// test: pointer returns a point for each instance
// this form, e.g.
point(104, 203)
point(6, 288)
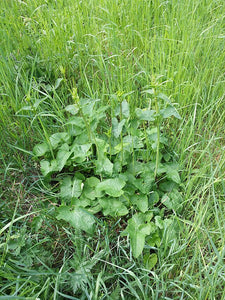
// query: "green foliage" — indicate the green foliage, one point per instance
point(119, 166)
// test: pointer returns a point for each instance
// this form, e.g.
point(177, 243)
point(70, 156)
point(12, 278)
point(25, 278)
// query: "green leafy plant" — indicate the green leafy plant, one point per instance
point(111, 162)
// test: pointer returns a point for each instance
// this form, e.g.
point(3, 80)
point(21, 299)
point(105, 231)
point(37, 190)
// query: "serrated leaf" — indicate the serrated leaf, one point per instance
point(48, 167)
point(145, 114)
point(41, 149)
point(141, 201)
point(113, 207)
point(77, 217)
point(70, 188)
point(117, 127)
point(112, 187)
point(170, 111)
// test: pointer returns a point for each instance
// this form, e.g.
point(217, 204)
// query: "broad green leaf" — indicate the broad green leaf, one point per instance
point(137, 239)
point(141, 201)
point(82, 138)
point(132, 142)
point(58, 138)
point(102, 146)
point(48, 167)
point(117, 127)
point(73, 109)
point(113, 207)
point(83, 201)
point(139, 226)
point(153, 239)
point(76, 125)
point(125, 109)
point(41, 149)
point(57, 82)
point(150, 260)
point(153, 199)
point(94, 209)
point(89, 188)
point(172, 174)
point(167, 186)
point(92, 181)
point(149, 91)
point(145, 114)
point(62, 156)
point(77, 217)
point(159, 222)
point(71, 188)
point(170, 111)
point(87, 106)
point(164, 97)
point(136, 167)
point(80, 152)
point(112, 187)
point(104, 166)
point(173, 200)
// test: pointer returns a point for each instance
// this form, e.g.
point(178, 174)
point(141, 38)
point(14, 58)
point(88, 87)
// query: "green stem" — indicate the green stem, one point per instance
point(121, 135)
point(158, 138)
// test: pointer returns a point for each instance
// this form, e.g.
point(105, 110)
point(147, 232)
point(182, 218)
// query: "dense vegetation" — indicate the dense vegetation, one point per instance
point(112, 149)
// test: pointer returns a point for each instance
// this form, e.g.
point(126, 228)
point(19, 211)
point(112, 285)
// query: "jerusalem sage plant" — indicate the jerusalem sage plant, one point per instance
point(113, 163)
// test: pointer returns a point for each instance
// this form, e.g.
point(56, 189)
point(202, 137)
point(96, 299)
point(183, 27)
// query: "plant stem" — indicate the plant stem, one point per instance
point(158, 138)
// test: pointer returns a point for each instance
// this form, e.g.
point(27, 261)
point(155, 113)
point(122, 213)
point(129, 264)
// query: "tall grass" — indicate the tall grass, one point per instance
point(102, 47)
